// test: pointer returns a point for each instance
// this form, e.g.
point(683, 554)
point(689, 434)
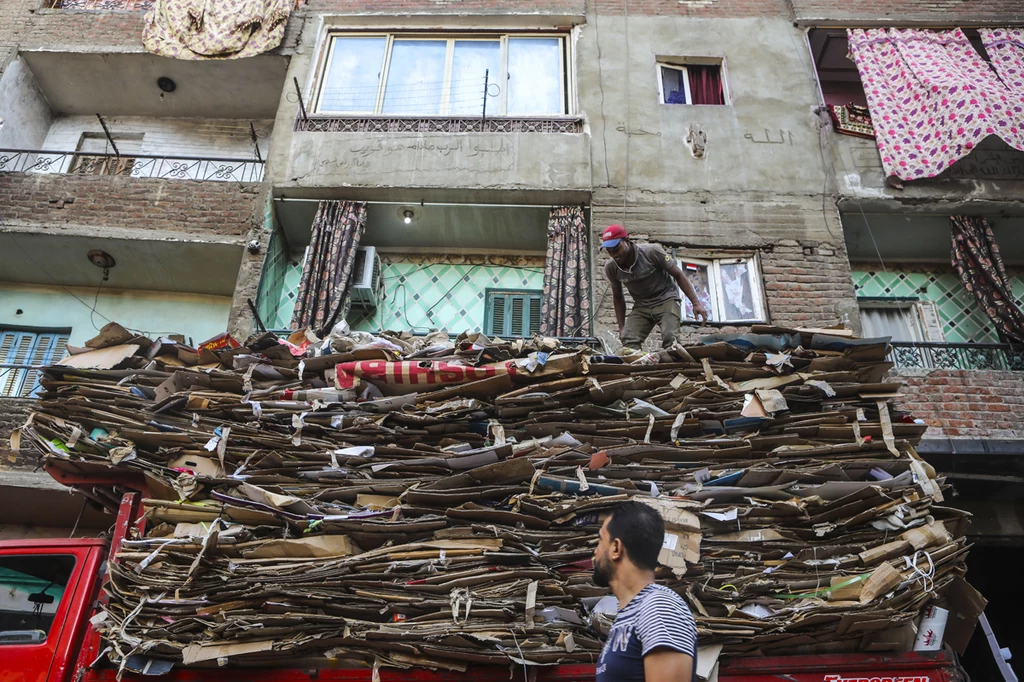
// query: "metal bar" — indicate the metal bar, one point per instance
point(110, 138)
point(53, 152)
point(487, 72)
point(302, 105)
point(422, 203)
point(255, 142)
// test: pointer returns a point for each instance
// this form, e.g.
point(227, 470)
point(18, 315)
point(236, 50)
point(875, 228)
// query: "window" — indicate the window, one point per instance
point(903, 319)
point(31, 588)
point(512, 312)
point(88, 160)
point(691, 83)
point(429, 75)
point(27, 348)
point(729, 288)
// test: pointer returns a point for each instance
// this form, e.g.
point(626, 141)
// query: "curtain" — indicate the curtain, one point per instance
point(327, 274)
point(1005, 47)
point(705, 84)
point(214, 29)
point(975, 256)
point(566, 299)
point(932, 98)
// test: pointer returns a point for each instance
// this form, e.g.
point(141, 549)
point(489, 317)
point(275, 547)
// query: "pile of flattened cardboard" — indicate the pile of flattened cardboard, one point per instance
point(409, 501)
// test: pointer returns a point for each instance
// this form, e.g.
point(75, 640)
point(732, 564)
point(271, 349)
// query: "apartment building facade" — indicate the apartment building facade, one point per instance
point(463, 133)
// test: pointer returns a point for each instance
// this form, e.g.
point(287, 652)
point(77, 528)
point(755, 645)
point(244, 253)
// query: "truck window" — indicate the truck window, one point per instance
point(31, 587)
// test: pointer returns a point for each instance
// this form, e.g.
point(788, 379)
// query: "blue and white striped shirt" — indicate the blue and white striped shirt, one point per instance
point(655, 618)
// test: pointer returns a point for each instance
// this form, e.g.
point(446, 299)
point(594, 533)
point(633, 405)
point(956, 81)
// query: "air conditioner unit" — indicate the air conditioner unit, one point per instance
point(366, 282)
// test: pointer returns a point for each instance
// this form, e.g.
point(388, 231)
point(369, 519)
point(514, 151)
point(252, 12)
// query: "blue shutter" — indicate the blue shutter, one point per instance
point(27, 348)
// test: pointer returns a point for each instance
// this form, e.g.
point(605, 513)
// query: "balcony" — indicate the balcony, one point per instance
point(956, 356)
point(135, 165)
point(100, 5)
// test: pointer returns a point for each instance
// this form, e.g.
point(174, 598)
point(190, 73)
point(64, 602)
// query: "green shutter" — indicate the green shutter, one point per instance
point(512, 313)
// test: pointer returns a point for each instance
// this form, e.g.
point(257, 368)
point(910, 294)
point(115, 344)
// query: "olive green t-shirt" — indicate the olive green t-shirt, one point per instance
point(648, 280)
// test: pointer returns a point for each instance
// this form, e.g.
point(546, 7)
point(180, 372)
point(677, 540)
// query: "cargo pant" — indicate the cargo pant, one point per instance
point(641, 320)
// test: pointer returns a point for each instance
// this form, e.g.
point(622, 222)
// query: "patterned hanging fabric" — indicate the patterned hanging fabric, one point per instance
point(330, 260)
point(566, 303)
point(932, 98)
point(976, 258)
point(1005, 47)
point(215, 29)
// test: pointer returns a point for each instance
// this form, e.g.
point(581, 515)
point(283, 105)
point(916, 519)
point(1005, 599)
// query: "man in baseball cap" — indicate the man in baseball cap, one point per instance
point(654, 281)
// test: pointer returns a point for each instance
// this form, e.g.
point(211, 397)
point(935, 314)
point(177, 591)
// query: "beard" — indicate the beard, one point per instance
point(602, 573)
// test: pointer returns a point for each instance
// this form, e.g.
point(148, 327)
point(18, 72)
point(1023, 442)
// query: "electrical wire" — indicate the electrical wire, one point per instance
point(625, 188)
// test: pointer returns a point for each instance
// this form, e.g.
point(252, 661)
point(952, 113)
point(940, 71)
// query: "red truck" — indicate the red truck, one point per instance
point(49, 589)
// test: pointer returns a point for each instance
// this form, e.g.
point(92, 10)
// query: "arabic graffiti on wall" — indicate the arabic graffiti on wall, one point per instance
point(420, 154)
point(769, 137)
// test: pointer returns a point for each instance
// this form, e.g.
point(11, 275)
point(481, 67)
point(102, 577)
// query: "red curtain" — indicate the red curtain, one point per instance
point(705, 84)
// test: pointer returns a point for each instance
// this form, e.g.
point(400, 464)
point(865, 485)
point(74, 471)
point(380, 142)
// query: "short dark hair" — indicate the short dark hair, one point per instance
point(641, 530)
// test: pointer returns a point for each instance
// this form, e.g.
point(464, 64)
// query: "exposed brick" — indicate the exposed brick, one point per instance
point(945, 400)
point(943, 12)
point(192, 206)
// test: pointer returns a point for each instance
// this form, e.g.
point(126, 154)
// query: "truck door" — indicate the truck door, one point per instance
point(37, 588)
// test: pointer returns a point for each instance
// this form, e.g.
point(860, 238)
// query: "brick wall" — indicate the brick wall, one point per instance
point(965, 403)
point(943, 12)
point(807, 284)
point(13, 412)
point(194, 207)
point(74, 30)
point(400, 7)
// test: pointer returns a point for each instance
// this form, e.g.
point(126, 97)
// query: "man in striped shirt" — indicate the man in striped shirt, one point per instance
point(654, 637)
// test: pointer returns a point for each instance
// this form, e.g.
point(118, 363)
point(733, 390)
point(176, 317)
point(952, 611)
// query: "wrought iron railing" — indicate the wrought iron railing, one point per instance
point(101, 5)
point(1000, 356)
point(437, 124)
point(134, 165)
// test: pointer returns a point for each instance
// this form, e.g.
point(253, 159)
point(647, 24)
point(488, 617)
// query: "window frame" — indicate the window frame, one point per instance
point(717, 291)
point(681, 64)
point(491, 293)
point(22, 374)
point(566, 92)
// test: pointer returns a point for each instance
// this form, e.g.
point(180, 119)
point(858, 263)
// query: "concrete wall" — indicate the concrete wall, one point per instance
point(23, 108)
point(223, 138)
point(154, 312)
point(759, 188)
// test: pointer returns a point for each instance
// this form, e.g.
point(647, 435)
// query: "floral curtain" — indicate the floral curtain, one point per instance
point(1005, 47)
point(327, 274)
point(566, 302)
point(215, 29)
point(976, 258)
point(932, 98)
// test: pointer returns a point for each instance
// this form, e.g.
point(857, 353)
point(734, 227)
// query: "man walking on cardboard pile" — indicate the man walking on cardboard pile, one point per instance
point(652, 278)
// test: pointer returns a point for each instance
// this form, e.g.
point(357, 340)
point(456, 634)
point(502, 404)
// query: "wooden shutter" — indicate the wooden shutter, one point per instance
point(534, 325)
point(518, 313)
point(512, 313)
point(930, 321)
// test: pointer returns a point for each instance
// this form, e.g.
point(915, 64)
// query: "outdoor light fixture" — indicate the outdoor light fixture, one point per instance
point(407, 216)
point(166, 84)
point(102, 259)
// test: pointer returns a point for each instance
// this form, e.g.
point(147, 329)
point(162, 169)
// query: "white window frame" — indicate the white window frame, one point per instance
point(680, 64)
point(500, 79)
point(717, 291)
point(685, 80)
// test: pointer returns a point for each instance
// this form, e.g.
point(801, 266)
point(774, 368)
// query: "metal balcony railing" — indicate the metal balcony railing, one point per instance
point(135, 165)
point(999, 356)
point(100, 5)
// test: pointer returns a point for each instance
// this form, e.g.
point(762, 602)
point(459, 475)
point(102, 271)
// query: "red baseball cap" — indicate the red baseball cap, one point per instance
point(612, 235)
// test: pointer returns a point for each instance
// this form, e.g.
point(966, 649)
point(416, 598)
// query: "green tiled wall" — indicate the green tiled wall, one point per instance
point(279, 285)
point(422, 295)
point(962, 320)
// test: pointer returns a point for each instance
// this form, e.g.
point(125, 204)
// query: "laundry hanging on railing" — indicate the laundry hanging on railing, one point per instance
point(932, 98)
point(327, 274)
point(976, 258)
point(1005, 47)
point(566, 304)
point(215, 29)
